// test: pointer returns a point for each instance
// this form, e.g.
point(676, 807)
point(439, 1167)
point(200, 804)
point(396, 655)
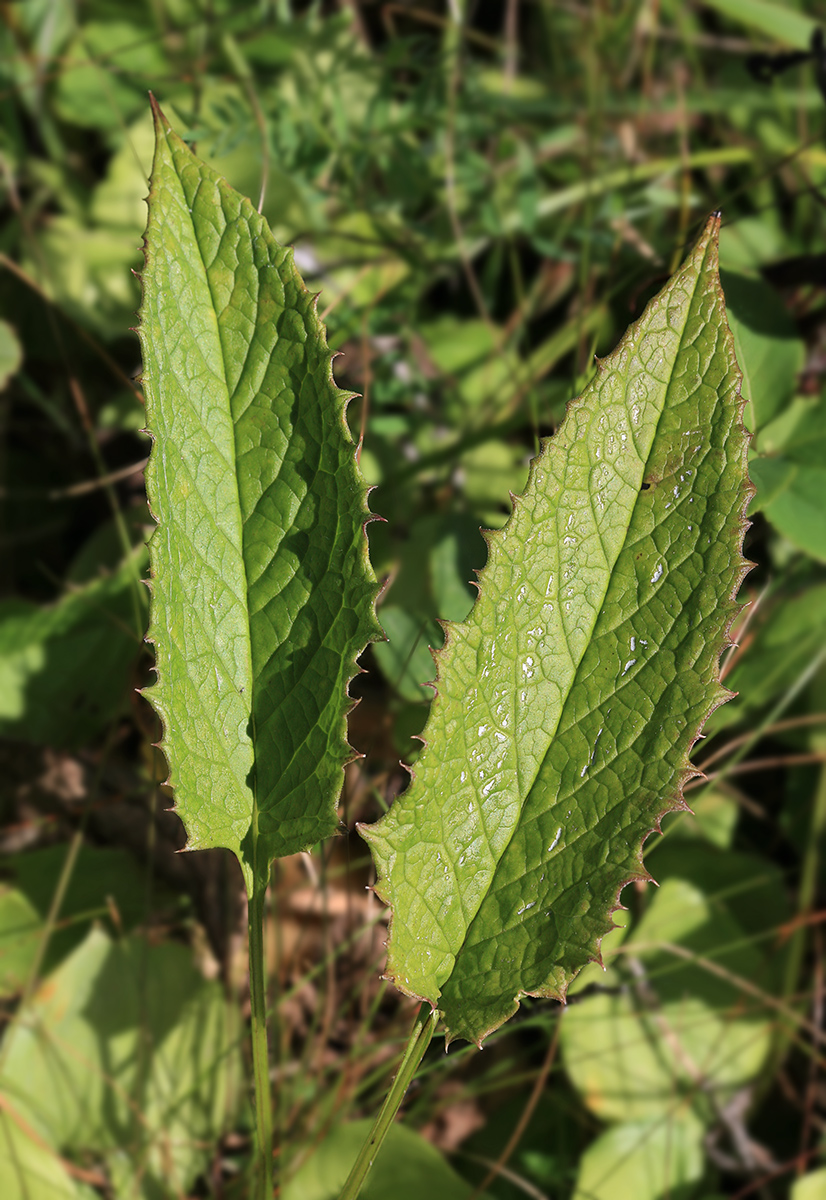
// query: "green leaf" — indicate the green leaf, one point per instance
point(769, 352)
point(405, 657)
point(471, 354)
point(20, 928)
point(451, 566)
point(671, 1028)
point(713, 817)
point(569, 700)
point(32, 1170)
point(790, 475)
point(798, 434)
point(262, 591)
point(809, 1187)
point(65, 669)
point(89, 273)
point(786, 635)
point(795, 506)
point(105, 72)
point(119, 1021)
point(777, 21)
point(104, 879)
point(407, 1168)
point(11, 353)
point(697, 1038)
point(752, 888)
point(644, 1160)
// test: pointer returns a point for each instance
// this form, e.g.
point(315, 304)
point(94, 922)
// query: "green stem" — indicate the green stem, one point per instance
point(417, 1043)
point(260, 1056)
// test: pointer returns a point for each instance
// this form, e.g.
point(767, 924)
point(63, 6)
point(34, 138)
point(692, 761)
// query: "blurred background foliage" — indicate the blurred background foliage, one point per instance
point(485, 195)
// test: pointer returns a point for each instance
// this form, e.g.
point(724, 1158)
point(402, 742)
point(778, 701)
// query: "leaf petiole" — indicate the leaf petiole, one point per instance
point(260, 1057)
point(417, 1044)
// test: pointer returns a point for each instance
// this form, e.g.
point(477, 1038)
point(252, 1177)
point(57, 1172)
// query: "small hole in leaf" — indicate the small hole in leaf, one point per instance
point(645, 487)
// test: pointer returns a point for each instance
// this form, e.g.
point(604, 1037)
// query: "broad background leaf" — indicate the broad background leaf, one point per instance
point(570, 698)
point(710, 903)
point(127, 1050)
point(262, 591)
point(810, 1186)
point(65, 669)
point(644, 1160)
point(28, 1172)
point(106, 880)
point(769, 351)
point(408, 1168)
point(789, 449)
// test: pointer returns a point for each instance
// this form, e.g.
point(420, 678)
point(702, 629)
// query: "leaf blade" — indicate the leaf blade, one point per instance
point(505, 887)
point(262, 590)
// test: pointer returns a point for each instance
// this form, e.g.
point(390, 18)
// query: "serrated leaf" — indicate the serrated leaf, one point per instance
point(262, 591)
point(569, 700)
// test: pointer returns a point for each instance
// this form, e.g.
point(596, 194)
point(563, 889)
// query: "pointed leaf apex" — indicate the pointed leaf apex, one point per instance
point(161, 123)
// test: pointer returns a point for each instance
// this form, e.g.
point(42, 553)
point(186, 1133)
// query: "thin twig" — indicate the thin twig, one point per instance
point(78, 489)
point(757, 764)
point(731, 977)
point(777, 727)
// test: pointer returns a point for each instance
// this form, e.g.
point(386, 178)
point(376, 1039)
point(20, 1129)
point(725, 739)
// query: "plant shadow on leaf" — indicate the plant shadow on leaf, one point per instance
point(65, 670)
point(126, 1049)
point(105, 881)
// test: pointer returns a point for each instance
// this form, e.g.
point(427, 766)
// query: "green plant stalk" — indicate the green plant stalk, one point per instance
point(418, 1042)
point(260, 1055)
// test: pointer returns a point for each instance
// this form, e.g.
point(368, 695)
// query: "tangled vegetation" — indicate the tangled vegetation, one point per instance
point(485, 199)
